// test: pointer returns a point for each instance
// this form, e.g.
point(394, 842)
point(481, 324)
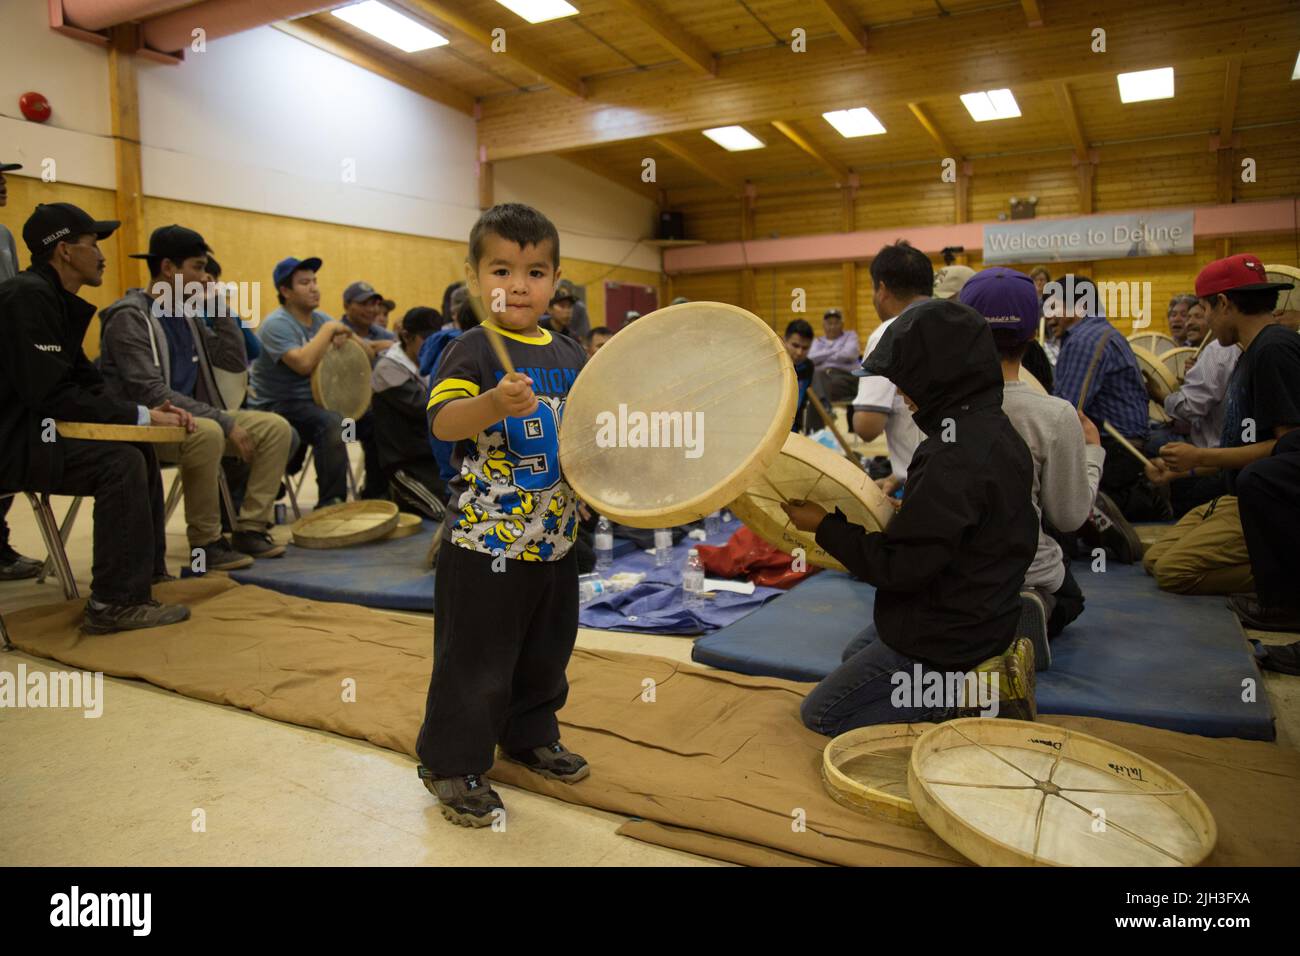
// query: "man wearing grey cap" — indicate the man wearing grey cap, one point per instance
point(361, 307)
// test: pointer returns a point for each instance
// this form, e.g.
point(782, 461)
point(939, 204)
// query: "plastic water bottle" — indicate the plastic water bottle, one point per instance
point(693, 580)
point(590, 587)
point(604, 544)
point(713, 524)
point(663, 547)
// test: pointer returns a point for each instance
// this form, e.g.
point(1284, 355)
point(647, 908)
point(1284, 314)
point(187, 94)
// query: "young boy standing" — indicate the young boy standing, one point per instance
point(506, 589)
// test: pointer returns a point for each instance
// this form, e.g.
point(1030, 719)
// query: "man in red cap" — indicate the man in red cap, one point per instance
point(1260, 454)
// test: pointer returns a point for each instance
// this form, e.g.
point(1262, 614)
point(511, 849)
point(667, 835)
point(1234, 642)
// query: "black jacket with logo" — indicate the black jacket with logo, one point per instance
point(45, 375)
point(949, 567)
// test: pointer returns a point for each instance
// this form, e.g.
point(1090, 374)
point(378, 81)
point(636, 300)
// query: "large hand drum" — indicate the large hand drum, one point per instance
point(1288, 300)
point(809, 471)
point(341, 381)
point(1154, 342)
point(1154, 373)
point(676, 414)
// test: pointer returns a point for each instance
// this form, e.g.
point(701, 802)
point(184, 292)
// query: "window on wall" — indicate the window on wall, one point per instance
point(623, 297)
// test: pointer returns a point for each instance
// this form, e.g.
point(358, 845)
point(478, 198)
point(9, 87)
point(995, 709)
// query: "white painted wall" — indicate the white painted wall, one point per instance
point(265, 122)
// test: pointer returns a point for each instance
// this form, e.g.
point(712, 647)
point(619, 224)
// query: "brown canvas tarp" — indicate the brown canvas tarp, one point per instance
point(716, 763)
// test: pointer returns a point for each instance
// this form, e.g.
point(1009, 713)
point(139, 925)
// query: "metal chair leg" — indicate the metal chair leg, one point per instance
point(293, 497)
point(54, 539)
point(174, 494)
point(302, 472)
point(229, 502)
point(64, 532)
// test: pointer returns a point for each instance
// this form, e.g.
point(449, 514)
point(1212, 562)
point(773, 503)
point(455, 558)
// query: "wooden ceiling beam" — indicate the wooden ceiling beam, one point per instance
point(681, 44)
point(946, 148)
point(842, 19)
point(700, 164)
point(942, 57)
point(837, 169)
point(403, 74)
point(1070, 114)
point(521, 55)
point(1231, 87)
point(629, 180)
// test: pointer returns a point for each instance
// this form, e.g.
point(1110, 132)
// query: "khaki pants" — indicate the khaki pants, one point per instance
point(199, 457)
point(1205, 553)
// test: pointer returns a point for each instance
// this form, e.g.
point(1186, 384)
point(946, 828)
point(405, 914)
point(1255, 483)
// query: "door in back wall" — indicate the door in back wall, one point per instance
point(623, 297)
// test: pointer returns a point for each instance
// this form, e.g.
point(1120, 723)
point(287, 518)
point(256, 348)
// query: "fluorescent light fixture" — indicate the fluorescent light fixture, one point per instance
point(734, 138)
point(855, 122)
point(990, 105)
point(539, 11)
point(1146, 85)
point(392, 27)
point(1295, 74)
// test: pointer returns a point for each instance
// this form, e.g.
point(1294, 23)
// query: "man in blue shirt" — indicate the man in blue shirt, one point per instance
point(1095, 356)
point(295, 337)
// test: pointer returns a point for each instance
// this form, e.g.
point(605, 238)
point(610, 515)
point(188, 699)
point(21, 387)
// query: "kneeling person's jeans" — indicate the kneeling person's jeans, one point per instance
point(862, 691)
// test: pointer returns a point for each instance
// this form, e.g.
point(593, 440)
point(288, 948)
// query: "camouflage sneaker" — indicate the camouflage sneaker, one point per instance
point(554, 761)
point(1013, 675)
point(1112, 531)
point(108, 618)
point(467, 801)
point(1033, 625)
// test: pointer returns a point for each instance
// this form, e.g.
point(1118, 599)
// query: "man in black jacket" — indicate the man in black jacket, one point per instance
point(47, 378)
point(949, 567)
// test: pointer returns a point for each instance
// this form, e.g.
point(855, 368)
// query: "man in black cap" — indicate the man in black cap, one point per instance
point(13, 566)
point(155, 347)
point(46, 377)
point(559, 314)
point(361, 308)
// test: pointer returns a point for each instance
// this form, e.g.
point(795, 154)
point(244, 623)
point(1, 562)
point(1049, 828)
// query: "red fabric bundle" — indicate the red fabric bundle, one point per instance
point(746, 555)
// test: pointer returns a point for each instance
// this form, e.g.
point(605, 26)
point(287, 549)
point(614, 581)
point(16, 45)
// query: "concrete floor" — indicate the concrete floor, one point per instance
point(124, 789)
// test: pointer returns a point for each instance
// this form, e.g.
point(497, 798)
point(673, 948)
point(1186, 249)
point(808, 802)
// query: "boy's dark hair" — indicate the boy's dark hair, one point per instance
point(466, 317)
point(801, 328)
point(421, 320)
point(598, 330)
point(905, 269)
point(517, 223)
point(1010, 345)
point(1247, 301)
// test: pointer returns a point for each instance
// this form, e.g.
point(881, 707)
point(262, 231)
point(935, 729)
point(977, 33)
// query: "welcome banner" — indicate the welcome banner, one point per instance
point(1089, 237)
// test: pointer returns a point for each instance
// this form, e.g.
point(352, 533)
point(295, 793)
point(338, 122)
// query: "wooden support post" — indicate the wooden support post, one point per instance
point(849, 269)
point(1224, 186)
point(485, 188)
point(1085, 168)
point(124, 111)
point(748, 285)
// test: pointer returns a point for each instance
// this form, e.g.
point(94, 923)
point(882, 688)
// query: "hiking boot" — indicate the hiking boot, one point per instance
point(15, 567)
point(1033, 625)
point(1106, 526)
point(467, 801)
point(554, 761)
point(1012, 673)
point(220, 556)
point(1261, 618)
point(107, 618)
point(258, 544)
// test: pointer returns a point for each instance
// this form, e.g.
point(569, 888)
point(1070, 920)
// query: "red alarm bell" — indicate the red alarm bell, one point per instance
point(34, 106)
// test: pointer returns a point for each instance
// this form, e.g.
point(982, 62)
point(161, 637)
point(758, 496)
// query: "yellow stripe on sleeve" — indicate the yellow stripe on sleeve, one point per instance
point(450, 388)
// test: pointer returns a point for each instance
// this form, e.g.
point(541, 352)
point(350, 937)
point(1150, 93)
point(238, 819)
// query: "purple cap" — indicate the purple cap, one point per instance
point(1007, 299)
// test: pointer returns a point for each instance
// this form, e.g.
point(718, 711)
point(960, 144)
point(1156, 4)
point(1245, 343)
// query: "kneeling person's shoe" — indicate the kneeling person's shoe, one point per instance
point(220, 556)
point(1261, 618)
point(1113, 531)
point(256, 544)
point(108, 618)
point(554, 761)
point(466, 801)
point(1011, 679)
point(15, 567)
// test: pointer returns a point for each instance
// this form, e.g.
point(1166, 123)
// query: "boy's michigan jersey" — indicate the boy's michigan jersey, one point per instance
point(508, 496)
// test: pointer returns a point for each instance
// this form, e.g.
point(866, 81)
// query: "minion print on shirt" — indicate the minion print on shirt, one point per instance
point(508, 496)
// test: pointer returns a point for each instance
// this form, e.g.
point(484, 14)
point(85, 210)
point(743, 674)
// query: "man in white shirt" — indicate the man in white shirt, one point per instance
point(901, 276)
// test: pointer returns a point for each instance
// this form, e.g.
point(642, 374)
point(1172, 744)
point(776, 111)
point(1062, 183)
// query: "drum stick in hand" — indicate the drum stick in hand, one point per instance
point(1127, 445)
point(494, 335)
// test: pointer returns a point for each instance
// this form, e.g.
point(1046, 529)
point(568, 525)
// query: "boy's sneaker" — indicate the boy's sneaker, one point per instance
point(1106, 526)
point(1033, 625)
point(1012, 674)
point(220, 556)
point(554, 761)
point(109, 618)
point(256, 544)
point(466, 801)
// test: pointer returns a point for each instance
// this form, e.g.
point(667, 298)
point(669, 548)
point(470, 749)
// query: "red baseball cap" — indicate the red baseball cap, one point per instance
point(1240, 273)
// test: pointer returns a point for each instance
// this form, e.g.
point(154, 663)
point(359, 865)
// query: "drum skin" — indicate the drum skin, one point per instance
point(341, 381)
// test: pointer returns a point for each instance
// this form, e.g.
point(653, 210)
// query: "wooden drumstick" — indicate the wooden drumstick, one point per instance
point(1127, 445)
point(494, 335)
point(1092, 366)
point(835, 429)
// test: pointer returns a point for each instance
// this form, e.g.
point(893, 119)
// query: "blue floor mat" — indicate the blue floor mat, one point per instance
point(387, 574)
point(1136, 654)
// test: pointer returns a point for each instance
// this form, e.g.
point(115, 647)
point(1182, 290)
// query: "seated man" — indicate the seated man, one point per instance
point(836, 355)
point(559, 314)
point(401, 428)
point(362, 306)
point(294, 340)
point(46, 377)
point(1064, 445)
point(155, 347)
point(1260, 451)
point(798, 339)
point(596, 338)
point(1096, 356)
point(949, 567)
point(902, 277)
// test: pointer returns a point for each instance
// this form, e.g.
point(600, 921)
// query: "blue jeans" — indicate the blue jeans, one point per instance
point(323, 431)
point(860, 691)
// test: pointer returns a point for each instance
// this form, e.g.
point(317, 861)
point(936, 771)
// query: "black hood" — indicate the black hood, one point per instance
point(940, 354)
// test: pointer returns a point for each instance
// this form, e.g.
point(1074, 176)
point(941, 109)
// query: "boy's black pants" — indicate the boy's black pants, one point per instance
point(1268, 497)
point(501, 643)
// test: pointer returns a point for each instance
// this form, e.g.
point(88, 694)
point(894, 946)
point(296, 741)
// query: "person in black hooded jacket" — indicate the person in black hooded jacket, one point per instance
point(949, 567)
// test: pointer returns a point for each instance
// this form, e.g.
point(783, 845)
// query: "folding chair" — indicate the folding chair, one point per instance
point(55, 537)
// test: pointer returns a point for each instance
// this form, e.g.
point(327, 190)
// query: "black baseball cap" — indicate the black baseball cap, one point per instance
point(10, 167)
point(55, 222)
point(175, 243)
